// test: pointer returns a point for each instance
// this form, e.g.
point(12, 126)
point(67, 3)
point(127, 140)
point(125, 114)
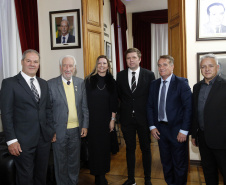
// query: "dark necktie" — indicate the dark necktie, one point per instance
point(63, 40)
point(68, 82)
point(162, 101)
point(133, 82)
point(34, 90)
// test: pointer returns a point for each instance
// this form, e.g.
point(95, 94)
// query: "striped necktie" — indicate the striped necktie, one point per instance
point(133, 82)
point(34, 90)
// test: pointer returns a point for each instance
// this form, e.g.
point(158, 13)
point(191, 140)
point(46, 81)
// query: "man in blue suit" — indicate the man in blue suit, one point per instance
point(169, 112)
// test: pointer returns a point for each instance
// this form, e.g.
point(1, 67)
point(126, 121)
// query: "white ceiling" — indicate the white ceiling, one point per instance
point(144, 5)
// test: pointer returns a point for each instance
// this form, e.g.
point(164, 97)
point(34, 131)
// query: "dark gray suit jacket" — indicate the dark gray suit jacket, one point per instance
point(60, 106)
point(22, 117)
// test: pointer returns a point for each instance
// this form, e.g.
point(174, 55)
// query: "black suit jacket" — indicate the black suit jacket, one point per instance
point(71, 39)
point(214, 114)
point(22, 117)
point(136, 101)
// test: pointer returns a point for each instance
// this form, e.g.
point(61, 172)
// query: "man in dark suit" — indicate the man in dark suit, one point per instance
point(169, 116)
point(133, 84)
point(27, 121)
point(209, 120)
point(71, 117)
point(65, 37)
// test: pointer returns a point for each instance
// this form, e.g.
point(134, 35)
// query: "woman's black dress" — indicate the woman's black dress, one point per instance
point(102, 101)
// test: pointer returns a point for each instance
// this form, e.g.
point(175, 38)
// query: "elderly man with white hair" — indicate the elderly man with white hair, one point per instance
point(71, 116)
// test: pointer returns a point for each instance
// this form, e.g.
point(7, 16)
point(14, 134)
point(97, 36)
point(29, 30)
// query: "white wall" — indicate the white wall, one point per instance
point(194, 47)
point(50, 58)
point(107, 20)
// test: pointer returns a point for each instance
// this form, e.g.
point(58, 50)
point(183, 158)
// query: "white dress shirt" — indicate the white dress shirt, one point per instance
point(160, 89)
point(130, 76)
point(37, 86)
point(66, 38)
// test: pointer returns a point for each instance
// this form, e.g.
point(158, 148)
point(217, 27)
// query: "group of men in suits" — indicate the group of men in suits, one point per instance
point(35, 112)
point(165, 107)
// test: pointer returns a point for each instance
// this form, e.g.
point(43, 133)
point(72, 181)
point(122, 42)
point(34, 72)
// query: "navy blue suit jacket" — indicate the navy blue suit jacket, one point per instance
point(178, 103)
point(71, 39)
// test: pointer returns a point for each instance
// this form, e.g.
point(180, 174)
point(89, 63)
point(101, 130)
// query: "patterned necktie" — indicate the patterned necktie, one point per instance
point(34, 90)
point(162, 102)
point(63, 40)
point(133, 82)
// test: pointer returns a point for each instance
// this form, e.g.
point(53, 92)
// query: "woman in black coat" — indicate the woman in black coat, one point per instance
point(102, 104)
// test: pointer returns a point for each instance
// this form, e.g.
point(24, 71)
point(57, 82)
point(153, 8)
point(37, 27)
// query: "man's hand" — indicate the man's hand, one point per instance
point(84, 132)
point(155, 133)
point(181, 137)
point(193, 142)
point(54, 138)
point(15, 149)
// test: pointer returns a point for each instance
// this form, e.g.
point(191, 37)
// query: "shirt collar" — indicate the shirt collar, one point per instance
point(64, 80)
point(66, 36)
point(211, 81)
point(137, 70)
point(26, 77)
point(168, 79)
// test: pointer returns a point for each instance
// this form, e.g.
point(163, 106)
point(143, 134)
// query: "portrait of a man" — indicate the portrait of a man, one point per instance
point(65, 36)
point(216, 13)
point(65, 29)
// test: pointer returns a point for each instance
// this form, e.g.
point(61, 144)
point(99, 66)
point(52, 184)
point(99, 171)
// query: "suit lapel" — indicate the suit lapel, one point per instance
point(157, 91)
point(42, 89)
point(215, 87)
point(140, 80)
point(171, 87)
point(61, 89)
point(126, 82)
point(75, 83)
point(24, 84)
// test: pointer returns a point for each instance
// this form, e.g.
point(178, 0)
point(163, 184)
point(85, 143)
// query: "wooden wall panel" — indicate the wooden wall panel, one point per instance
point(93, 13)
point(177, 36)
point(93, 36)
point(94, 50)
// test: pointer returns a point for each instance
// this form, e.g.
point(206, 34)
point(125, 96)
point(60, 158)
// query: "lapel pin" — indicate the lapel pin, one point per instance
point(76, 88)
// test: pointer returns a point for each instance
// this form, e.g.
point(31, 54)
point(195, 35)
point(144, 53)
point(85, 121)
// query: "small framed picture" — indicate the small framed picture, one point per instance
point(108, 50)
point(221, 56)
point(65, 29)
point(211, 20)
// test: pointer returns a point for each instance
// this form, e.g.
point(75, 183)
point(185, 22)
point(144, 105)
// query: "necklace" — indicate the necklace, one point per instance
point(101, 88)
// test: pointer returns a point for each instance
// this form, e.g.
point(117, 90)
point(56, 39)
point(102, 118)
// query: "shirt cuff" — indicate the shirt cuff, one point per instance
point(152, 127)
point(11, 141)
point(184, 132)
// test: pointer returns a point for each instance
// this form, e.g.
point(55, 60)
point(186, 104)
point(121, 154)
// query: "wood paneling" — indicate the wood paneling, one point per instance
point(177, 36)
point(93, 37)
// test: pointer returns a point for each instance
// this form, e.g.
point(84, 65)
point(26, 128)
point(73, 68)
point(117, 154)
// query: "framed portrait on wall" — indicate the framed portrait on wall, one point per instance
point(211, 20)
point(65, 29)
point(108, 50)
point(221, 56)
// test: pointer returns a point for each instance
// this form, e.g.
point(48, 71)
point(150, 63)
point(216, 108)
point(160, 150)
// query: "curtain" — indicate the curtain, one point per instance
point(10, 44)
point(142, 32)
point(27, 18)
point(159, 44)
point(117, 7)
point(113, 51)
